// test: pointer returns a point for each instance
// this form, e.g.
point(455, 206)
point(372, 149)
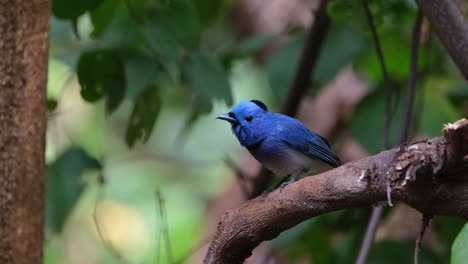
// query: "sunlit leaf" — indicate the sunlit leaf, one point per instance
point(145, 112)
point(205, 75)
point(64, 185)
point(460, 247)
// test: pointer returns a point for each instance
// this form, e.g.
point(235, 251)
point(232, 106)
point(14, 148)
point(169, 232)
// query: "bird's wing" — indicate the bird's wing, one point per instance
point(298, 137)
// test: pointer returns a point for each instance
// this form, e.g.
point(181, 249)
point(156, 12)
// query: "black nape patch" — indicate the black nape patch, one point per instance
point(259, 104)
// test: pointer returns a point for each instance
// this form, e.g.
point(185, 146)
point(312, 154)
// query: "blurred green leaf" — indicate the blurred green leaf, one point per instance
point(205, 75)
point(177, 19)
point(64, 186)
point(71, 10)
point(460, 247)
point(437, 109)
point(145, 112)
point(209, 10)
point(101, 72)
point(367, 123)
point(102, 15)
point(51, 104)
point(448, 228)
point(458, 94)
point(247, 47)
point(340, 47)
point(140, 71)
point(399, 252)
point(161, 42)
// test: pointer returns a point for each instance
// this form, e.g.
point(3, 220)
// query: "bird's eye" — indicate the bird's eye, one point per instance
point(248, 118)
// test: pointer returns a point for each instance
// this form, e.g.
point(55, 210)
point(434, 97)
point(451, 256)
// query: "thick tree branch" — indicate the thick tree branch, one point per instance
point(428, 175)
point(451, 27)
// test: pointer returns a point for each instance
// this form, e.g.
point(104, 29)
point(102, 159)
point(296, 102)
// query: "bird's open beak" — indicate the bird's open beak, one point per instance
point(226, 117)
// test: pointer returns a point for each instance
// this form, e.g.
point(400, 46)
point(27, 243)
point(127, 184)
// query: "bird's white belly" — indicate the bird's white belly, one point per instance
point(294, 163)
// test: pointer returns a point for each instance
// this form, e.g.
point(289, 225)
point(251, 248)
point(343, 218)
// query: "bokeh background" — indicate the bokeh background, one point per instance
point(139, 170)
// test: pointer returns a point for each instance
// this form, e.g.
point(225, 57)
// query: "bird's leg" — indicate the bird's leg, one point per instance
point(283, 181)
point(293, 179)
point(280, 183)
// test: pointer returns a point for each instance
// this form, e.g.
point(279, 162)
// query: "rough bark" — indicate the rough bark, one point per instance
point(24, 31)
point(430, 175)
point(451, 27)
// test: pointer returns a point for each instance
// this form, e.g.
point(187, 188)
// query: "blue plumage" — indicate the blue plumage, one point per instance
point(281, 143)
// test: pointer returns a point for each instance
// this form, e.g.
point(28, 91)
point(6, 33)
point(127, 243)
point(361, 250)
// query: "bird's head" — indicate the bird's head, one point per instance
point(250, 121)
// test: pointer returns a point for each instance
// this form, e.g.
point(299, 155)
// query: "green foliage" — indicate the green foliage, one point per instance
point(145, 111)
point(101, 73)
point(458, 94)
point(205, 75)
point(341, 45)
point(64, 185)
point(102, 15)
point(460, 247)
point(399, 251)
point(367, 124)
point(71, 10)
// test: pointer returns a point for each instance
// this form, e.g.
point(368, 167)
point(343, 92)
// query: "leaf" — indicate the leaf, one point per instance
point(171, 26)
point(51, 104)
point(102, 16)
point(396, 49)
point(367, 123)
point(402, 252)
point(145, 112)
point(460, 247)
point(458, 94)
point(341, 46)
point(437, 109)
point(64, 186)
point(140, 72)
point(101, 72)
point(71, 10)
point(247, 47)
point(178, 18)
point(205, 75)
point(161, 42)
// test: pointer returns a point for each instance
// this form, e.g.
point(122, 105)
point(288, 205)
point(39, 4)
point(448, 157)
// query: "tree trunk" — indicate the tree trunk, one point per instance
point(24, 32)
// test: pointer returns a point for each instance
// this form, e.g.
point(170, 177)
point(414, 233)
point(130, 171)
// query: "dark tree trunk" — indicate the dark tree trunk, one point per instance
point(24, 33)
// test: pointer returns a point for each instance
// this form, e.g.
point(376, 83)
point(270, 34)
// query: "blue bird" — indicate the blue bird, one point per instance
point(280, 143)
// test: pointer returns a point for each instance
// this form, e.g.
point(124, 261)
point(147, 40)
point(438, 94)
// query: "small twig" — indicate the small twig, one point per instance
point(164, 226)
point(301, 81)
point(413, 74)
point(425, 223)
point(308, 60)
point(377, 212)
point(370, 235)
point(242, 179)
point(387, 84)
